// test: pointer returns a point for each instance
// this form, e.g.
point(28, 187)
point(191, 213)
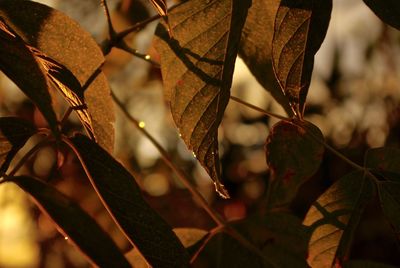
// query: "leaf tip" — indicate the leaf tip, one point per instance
point(221, 190)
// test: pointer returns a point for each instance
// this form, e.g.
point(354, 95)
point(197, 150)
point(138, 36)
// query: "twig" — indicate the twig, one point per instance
point(138, 26)
point(210, 211)
point(259, 109)
point(111, 31)
point(122, 45)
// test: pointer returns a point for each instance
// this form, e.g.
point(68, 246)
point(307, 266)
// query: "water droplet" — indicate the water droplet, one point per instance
point(142, 124)
point(66, 238)
point(180, 135)
point(147, 57)
point(194, 154)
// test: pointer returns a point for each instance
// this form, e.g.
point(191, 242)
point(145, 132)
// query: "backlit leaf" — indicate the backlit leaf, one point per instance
point(386, 10)
point(122, 197)
point(385, 163)
point(222, 251)
point(60, 38)
point(197, 67)
point(255, 47)
point(28, 75)
point(74, 223)
point(334, 218)
point(14, 132)
point(300, 28)
point(293, 155)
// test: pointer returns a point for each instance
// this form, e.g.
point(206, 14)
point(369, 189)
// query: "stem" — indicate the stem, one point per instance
point(258, 109)
point(65, 116)
point(180, 174)
point(122, 45)
point(111, 31)
point(138, 26)
point(31, 152)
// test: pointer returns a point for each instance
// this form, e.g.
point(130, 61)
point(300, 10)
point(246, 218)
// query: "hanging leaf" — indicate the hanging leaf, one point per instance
point(334, 218)
point(197, 67)
point(293, 155)
point(222, 251)
point(387, 10)
point(14, 132)
point(28, 75)
point(61, 39)
point(300, 28)
point(74, 223)
point(255, 47)
point(162, 10)
point(384, 162)
point(123, 199)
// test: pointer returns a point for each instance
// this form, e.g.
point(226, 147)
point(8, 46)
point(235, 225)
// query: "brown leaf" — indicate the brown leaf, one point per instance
point(255, 47)
point(74, 223)
point(293, 155)
point(300, 28)
point(197, 67)
point(334, 218)
point(60, 38)
point(121, 195)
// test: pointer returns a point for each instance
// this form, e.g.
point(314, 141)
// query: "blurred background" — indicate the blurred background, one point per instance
point(354, 100)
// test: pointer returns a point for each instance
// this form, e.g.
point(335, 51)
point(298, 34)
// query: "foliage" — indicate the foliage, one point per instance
point(45, 53)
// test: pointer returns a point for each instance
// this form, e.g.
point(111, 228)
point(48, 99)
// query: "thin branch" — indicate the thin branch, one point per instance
point(66, 116)
point(138, 26)
point(111, 31)
point(210, 211)
point(259, 109)
point(122, 45)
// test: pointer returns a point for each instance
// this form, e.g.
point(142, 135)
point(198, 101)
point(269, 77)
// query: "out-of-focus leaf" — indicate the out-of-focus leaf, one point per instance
point(293, 156)
point(63, 40)
point(255, 47)
point(387, 10)
point(19, 64)
point(224, 251)
point(122, 197)
point(365, 264)
point(334, 218)
point(14, 132)
point(197, 67)
point(384, 162)
point(188, 237)
point(300, 28)
point(74, 223)
point(278, 234)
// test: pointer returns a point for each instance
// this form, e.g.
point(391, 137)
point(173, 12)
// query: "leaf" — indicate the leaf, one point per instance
point(334, 218)
point(255, 47)
point(197, 67)
point(14, 132)
point(387, 10)
point(222, 251)
point(27, 74)
point(122, 197)
point(300, 28)
point(293, 155)
point(282, 237)
point(74, 223)
point(60, 38)
point(187, 236)
point(385, 163)
point(365, 264)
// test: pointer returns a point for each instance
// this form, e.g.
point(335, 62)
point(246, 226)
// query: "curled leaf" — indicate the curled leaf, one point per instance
point(197, 67)
point(74, 223)
point(300, 28)
point(14, 132)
